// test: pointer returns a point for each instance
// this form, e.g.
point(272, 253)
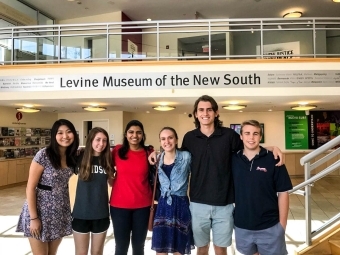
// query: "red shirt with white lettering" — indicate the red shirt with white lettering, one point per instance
point(131, 188)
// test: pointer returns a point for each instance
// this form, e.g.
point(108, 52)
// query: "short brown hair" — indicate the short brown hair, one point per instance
point(253, 123)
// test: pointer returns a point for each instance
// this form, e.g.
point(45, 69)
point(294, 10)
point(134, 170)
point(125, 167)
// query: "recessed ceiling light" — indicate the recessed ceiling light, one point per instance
point(148, 19)
point(28, 109)
point(94, 108)
point(234, 107)
point(336, 1)
point(163, 108)
point(293, 14)
point(303, 107)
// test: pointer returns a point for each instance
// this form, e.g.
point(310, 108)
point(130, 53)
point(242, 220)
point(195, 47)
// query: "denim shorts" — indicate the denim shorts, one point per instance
point(267, 241)
point(219, 219)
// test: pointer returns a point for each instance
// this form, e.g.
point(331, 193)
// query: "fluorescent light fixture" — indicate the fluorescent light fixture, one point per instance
point(28, 109)
point(303, 107)
point(234, 107)
point(94, 108)
point(293, 14)
point(164, 108)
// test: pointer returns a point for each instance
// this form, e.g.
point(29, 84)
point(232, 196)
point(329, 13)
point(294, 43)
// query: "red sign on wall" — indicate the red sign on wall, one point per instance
point(18, 115)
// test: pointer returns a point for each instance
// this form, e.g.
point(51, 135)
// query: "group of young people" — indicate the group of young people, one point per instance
point(233, 186)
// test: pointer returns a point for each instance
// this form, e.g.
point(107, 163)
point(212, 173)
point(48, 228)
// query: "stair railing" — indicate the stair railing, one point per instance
point(306, 161)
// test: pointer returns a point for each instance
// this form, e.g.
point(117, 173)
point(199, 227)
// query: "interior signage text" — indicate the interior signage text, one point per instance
point(169, 80)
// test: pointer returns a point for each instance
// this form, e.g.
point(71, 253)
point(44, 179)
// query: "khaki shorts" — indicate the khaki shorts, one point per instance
point(218, 219)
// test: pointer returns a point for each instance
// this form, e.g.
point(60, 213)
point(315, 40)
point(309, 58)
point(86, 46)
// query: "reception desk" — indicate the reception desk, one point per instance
point(292, 162)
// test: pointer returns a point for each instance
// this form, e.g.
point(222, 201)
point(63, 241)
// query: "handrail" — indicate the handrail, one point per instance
point(317, 177)
point(154, 32)
point(327, 224)
point(306, 162)
point(327, 146)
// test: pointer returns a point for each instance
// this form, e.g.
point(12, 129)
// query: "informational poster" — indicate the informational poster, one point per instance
point(280, 50)
point(323, 126)
point(296, 130)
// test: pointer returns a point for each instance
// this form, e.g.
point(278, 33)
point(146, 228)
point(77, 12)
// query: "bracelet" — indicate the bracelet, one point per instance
point(35, 218)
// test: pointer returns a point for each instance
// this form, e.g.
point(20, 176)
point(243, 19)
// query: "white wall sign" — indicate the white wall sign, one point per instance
point(280, 50)
point(170, 80)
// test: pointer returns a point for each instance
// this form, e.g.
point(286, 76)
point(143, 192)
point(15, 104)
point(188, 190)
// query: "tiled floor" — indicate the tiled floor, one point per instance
point(325, 204)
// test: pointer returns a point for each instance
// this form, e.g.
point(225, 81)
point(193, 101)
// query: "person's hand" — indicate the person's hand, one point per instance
point(284, 225)
point(152, 158)
point(111, 179)
point(278, 153)
point(35, 228)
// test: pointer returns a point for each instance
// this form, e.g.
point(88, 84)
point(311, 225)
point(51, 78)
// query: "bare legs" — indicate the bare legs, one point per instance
point(205, 250)
point(44, 248)
point(82, 242)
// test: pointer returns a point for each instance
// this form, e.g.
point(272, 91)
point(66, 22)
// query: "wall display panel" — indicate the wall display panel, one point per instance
point(324, 126)
point(17, 142)
point(296, 130)
point(310, 129)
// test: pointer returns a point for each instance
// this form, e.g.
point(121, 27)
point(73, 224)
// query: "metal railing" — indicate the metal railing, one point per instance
point(310, 180)
point(171, 40)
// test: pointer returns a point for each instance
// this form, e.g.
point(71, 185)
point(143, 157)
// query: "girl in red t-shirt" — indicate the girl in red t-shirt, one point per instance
point(131, 193)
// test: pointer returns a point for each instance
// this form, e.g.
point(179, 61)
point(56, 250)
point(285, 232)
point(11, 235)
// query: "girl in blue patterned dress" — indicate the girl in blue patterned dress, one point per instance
point(172, 231)
point(46, 215)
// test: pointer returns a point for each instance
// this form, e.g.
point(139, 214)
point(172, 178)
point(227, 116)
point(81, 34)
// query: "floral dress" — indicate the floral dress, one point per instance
point(53, 206)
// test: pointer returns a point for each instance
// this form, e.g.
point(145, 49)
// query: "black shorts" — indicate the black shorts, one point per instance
point(87, 226)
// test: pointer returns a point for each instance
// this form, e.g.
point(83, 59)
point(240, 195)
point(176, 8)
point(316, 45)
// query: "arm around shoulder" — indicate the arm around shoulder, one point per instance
point(277, 154)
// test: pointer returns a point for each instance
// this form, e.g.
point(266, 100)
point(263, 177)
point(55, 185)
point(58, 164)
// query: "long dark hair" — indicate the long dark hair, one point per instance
point(52, 150)
point(214, 106)
point(125, 147)
point(105, 158)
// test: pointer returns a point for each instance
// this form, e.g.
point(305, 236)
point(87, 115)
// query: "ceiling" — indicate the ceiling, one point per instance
point(184, 105)
point(189, 9)
point(140, 10)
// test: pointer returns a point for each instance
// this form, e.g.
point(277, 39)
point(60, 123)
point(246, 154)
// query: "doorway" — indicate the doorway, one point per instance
point(89, 124)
